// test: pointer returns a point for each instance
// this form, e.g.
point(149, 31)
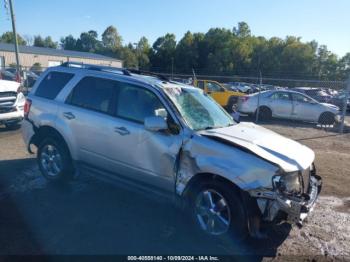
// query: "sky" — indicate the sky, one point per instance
point(326, 21)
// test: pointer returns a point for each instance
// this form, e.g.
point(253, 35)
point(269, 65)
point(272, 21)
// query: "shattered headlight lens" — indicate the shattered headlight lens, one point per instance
point(288, 183)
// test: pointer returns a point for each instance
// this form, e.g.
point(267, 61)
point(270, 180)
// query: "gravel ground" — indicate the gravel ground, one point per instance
point(91, 217)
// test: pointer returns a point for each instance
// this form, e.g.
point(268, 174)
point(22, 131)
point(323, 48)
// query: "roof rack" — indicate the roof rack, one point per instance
point(147, 73)
point(108, 69)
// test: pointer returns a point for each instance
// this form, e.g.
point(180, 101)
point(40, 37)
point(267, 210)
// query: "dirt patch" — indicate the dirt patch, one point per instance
point(326, 235)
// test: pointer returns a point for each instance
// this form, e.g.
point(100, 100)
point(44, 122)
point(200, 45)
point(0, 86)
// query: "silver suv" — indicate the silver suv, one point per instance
point(164, 137)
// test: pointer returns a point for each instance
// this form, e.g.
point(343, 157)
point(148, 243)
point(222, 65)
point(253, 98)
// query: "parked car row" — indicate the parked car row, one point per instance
point(324, 95)
point(249, 88)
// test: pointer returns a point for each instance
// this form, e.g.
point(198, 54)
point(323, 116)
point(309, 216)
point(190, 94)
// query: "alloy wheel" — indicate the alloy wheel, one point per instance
point(212, 212)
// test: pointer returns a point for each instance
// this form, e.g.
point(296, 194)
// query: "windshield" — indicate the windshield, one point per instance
point(199, 110)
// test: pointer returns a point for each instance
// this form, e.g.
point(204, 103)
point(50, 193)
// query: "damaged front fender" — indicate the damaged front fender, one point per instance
point(202, 155)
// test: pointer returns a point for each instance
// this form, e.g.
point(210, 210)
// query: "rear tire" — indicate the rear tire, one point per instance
point(54, 160)
point(226, 219)
point(326, 118)
point(265, 113)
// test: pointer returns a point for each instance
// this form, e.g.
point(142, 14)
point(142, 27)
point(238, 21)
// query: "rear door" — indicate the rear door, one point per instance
point(281, 104)
point(88, 118)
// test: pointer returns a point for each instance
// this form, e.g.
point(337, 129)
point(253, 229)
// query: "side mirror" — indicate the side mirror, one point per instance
point(155, 123)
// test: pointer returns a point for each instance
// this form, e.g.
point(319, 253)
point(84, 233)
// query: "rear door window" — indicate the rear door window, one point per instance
point(52, 84)
point(94, 93)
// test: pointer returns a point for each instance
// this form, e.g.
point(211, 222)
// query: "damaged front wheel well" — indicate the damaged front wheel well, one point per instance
point(201, 177)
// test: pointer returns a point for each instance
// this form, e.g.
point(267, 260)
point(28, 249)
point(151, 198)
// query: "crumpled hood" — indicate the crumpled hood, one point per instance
point(8, 86)
point(286, 153)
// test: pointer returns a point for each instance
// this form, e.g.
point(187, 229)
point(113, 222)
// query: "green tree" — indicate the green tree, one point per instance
point(187, 53)
point(8, 37)
point(48, 42)
point(128, 56)
point(88, 42)
point(163, 53)
point(344, 67)
point(69, 43)
point(242, 30)
point(326, 63)
point(39, 41)
point(111, 39)
point(143, 50)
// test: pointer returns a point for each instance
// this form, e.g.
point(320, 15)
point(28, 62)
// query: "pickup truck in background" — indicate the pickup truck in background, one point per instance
point(219, 93)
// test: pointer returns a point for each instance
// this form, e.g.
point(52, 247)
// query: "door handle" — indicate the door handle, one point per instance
point(122, 131)
point(69, 115)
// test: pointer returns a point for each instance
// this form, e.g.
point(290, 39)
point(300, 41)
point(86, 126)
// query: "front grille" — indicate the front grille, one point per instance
point(8, 94)
point(4, 110)
point(306, 179)
point(7, 99)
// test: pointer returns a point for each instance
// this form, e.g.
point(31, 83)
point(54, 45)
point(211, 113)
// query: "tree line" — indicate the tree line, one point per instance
point(219, 51)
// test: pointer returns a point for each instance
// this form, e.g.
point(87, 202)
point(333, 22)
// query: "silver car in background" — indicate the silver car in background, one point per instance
point(288, 105)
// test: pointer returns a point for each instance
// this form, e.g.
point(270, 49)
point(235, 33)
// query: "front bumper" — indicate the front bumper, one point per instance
point(276, 207)
point(12, 117)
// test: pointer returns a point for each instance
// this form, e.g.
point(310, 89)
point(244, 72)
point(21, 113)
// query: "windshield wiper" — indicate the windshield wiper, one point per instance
point(209, 127)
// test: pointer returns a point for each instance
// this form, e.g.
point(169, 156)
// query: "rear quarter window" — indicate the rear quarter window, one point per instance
point(52, 84)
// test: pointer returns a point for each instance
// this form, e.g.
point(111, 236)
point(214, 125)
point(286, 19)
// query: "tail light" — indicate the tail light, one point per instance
point(244, 98)
point(18, 77)
point(27, 106)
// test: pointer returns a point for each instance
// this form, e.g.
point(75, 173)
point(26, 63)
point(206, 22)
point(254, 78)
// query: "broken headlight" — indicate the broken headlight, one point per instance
point(289, 183)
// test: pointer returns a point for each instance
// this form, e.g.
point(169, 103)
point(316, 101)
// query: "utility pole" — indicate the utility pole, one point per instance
point(18, 75)
point(345, 101)
point(258, 106)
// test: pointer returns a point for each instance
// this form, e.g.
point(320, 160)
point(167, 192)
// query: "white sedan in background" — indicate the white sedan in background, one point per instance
point(289, 105)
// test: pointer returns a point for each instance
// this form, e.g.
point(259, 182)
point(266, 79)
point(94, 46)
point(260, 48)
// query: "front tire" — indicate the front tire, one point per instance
point(217, 211)
point(326, 118)
point(54, 160)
